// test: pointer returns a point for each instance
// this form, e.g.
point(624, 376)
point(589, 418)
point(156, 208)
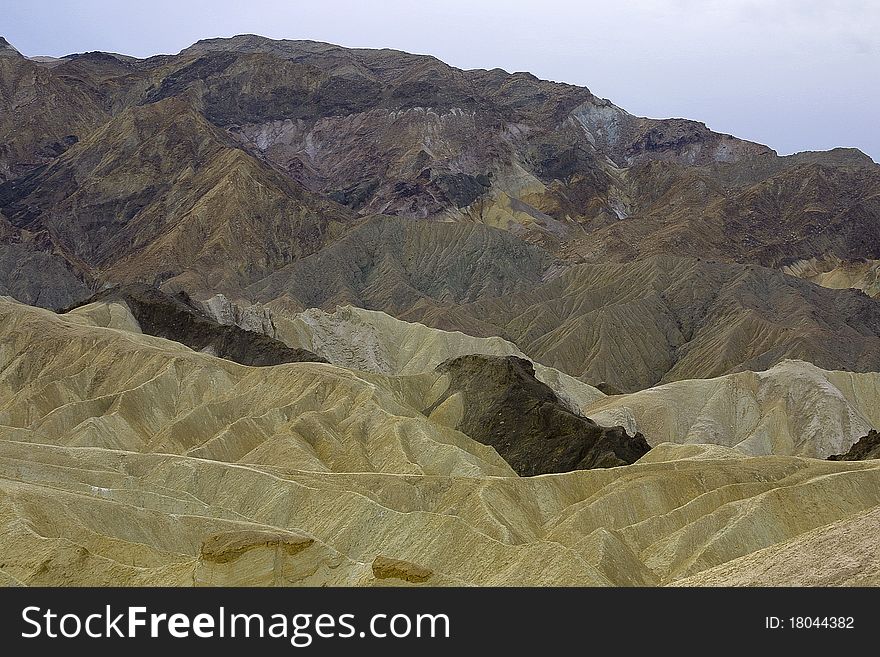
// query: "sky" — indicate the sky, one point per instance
point(793, 74)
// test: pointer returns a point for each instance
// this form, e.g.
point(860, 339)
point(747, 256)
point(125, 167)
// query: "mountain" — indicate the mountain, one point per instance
point(830, 271)
point(767, 211)
point(46, 110)
point(257, 153)
point(794, 408)
point(374, 341)
point(34, 275)
point(287, 313)
point(629, 326)
point(7, 50)
point(168, 195)
point(498, 401)
point(559, 438)
point(396, 265)
point(121, 390)
point(666, 318)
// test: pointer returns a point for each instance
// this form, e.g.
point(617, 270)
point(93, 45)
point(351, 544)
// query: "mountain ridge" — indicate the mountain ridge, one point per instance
point(335, 316)
point(352, 134)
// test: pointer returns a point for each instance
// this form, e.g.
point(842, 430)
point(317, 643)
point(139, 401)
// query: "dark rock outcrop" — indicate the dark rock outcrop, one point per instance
point(175, 317)
point(506, 407)
point(868, 447)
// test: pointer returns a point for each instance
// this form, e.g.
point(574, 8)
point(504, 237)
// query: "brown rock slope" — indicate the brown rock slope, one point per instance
point(176, 317)
point(395, 265)
point(44, 111)
point(255, 153)
point(407, 134)
point(128, 459)
point(496, 400)
point(867, 447)
point(768, 211)
point(628, 325)
point(168, 194)
point(665, 319)
point(34, 275)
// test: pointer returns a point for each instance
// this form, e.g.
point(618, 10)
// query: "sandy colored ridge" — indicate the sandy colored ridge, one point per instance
point(127, 459)
point(374, 341)
point(794, 408)
point(845, 553)
point(836, 273)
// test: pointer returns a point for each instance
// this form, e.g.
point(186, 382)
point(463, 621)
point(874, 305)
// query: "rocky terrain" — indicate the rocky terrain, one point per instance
point(792, 408)
point(286, 313)
point(831, 271)
point(867, 447)
point(498, 401)
point(255, 152)
point(177, 318)
point(306, 473)
point(663, 319)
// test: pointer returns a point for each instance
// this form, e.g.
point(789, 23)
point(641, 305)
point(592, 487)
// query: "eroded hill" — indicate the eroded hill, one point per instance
point(130, 459)
point(256, 153)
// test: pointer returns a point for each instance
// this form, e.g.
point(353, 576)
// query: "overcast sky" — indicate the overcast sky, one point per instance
point(793, 74)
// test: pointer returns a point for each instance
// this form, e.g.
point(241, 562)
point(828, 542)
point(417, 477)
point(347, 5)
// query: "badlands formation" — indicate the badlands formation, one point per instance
point(131, 459)
point(794, 408)
point(286, 313)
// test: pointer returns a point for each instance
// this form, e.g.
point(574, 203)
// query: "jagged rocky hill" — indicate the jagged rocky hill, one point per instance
point(254, 153)
point(342, 316)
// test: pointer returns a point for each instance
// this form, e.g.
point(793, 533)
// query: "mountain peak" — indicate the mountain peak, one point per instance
point(7, 50)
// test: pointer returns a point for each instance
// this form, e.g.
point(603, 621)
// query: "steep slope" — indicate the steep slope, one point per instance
point(496, 400)
point(768, 211)
point(255, 153)
point(395, 265)
point(167, 195)
point(113, 389)
point(629, 326)
point(845, 553)
point(43, 111)
point(407, 134)
point(176, 318)
point(34, 274)
point(793, 408)
point(830, 271)
point(374, 341)
point(867, 447)
point(7, 50)
point(664, 319)
point(386, 131)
